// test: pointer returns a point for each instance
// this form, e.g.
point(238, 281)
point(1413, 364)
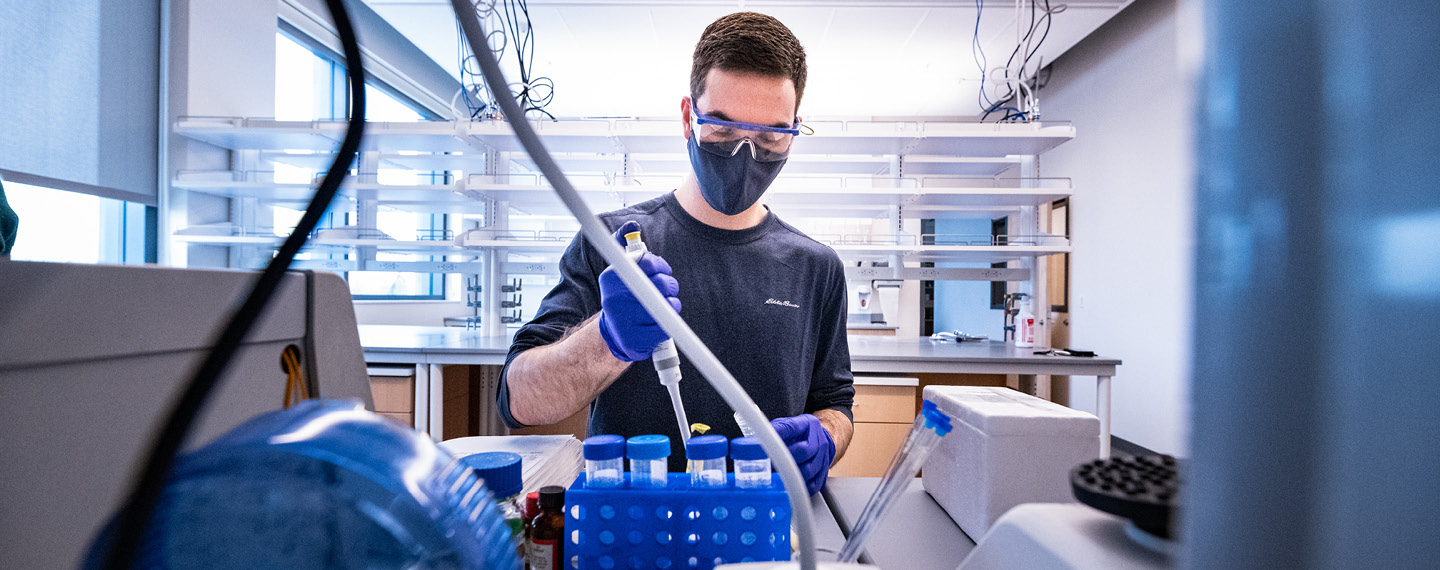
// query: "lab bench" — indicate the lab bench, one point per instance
point(429, 349)
point(916, 533)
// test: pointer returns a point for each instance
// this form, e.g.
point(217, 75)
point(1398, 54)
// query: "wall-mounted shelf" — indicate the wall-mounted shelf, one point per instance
point(547, 246)
point(630, 136)
point(791, 196)
point(846, 170)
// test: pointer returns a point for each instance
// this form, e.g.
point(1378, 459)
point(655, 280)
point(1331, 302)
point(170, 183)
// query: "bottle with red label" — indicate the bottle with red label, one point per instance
point(1024, 325)
point(532, 508)
point(547, 531)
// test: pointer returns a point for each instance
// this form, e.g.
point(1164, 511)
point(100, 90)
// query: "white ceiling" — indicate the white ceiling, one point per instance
point(867, 58)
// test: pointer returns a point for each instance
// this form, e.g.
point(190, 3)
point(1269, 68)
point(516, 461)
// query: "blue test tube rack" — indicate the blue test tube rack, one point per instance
point(674, 528)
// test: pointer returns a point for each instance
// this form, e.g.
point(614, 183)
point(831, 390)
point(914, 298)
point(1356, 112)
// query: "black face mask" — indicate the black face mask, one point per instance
point(731, 184)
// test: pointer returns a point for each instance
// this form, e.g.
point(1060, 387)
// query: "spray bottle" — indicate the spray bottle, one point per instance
point(665, 357)
point(1024, 325)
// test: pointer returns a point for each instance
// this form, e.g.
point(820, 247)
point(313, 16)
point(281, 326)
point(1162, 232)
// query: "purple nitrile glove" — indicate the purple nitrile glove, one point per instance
point(629, 331)
point(811, 446)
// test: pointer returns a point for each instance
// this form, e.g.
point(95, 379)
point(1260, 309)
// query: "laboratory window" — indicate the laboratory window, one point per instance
point(311, 85)
point(71, 227)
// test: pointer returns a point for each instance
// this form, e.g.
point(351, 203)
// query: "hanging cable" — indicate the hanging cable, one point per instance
point(1021, 96)
point(977, 52)
point(134, 519)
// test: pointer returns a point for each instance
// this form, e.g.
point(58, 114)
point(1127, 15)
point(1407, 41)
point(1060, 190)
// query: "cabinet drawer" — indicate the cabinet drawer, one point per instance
point(393, 394)
point(884, 404)
point(407, 420)
point(871, 450)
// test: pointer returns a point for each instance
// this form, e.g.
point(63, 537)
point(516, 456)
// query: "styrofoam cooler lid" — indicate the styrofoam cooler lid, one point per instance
point(1002, 411)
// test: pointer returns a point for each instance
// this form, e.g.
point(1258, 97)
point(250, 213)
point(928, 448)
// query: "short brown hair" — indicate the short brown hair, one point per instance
point(748, 42)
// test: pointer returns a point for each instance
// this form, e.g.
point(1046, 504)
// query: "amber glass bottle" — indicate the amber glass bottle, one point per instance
point(547, 531)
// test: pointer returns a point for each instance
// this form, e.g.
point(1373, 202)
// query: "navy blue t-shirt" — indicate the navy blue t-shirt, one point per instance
point(767, 300)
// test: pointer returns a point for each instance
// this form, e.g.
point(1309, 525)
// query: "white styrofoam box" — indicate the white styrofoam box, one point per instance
point(1007, 448)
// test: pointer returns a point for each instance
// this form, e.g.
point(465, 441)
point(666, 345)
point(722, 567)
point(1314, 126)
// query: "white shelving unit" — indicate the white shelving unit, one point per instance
point(880, 170)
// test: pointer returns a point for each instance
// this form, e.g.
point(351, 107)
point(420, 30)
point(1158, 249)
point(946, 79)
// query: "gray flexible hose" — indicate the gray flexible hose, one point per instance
point(649, 297)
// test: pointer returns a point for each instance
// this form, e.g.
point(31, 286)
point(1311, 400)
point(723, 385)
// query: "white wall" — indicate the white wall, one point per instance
point(1133, 215)
point(222, 63)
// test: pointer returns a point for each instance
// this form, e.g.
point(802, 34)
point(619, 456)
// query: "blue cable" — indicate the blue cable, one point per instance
point(982, 99)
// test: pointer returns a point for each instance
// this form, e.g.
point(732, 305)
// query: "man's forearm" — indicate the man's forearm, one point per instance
point(549, 383)
point(839, 427)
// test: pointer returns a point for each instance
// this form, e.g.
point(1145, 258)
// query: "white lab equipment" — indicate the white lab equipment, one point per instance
point(54, 391)
point(1008, 448)
point(868, 300)
point(1050, 536)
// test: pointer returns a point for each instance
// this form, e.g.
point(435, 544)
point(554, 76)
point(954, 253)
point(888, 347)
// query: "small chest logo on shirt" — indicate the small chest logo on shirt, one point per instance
point(781, 303)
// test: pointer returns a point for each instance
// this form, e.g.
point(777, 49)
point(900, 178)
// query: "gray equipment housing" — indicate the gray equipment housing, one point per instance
point(92, 358)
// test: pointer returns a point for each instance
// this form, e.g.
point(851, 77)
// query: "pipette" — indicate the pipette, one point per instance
point(931, 425)
point(665, 357)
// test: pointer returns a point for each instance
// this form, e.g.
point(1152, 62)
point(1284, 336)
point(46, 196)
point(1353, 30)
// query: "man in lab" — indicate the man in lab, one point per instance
point(766, 299)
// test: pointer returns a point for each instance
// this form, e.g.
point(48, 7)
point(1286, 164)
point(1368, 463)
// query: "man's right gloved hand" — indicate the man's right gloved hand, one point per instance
point(629, 331)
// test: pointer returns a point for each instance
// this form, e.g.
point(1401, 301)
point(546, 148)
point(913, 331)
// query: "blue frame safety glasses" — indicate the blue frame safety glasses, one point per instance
point(724, 138)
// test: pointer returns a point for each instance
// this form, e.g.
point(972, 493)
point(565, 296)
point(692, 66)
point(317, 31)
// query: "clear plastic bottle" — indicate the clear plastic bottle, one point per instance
point(649, 455)
point(604, 461)
point(501, 472)
point(752, 465)
point(706, 455)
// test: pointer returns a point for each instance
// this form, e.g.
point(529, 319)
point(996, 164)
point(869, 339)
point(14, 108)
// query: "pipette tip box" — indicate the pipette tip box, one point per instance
point(674, 528)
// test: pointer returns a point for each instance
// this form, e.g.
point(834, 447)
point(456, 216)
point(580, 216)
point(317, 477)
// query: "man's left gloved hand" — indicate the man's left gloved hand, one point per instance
point(811, 446)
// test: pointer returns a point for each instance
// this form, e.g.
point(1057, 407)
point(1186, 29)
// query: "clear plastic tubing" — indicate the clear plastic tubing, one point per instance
point(604, 461)
point(752, 466)
point(931, 425)
point(706, 454)
point(649, 455)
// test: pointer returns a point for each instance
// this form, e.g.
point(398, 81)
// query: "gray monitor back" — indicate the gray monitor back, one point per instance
point(91, 358)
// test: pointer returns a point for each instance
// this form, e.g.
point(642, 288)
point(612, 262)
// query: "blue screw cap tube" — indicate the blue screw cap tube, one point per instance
point(604, 461)
point(752, 466)
point(706, 454)
point(648, 457)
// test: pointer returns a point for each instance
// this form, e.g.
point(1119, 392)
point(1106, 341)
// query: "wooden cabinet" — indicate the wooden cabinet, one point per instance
point(393, 390)
point(884, 411)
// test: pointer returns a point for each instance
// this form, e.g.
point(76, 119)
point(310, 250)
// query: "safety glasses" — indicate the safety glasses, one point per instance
point(724, 138)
